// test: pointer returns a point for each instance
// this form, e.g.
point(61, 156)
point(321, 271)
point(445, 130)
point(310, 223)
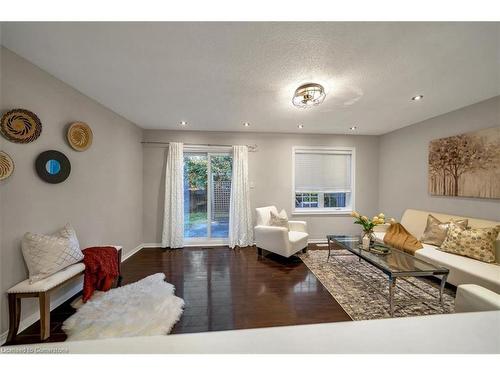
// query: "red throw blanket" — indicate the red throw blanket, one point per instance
point(101, 269)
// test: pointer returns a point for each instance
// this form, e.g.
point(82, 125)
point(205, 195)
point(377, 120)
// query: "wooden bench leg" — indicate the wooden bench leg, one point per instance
point(44, 299)
point(14, 316)
point(120, 278)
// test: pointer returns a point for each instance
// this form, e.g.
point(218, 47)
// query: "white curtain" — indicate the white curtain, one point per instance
point(240, 215)
point(173, 216)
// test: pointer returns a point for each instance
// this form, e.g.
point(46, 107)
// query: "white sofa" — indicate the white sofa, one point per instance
point(473, 298)
point(279, 240)
point(463, 270)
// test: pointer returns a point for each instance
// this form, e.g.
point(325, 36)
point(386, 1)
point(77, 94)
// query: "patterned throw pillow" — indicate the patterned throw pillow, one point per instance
point(46, 255)
point(436, 231)
point(279, 220)
point(473, 243)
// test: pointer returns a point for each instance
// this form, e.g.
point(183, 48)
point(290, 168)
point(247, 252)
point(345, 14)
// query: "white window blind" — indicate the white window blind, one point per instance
point(323, 171)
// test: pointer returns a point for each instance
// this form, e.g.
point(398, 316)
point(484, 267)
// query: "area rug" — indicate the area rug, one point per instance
point(362, 290)
point(145, 308)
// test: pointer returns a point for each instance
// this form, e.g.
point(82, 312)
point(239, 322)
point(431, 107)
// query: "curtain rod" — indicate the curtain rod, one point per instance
point(251, 148)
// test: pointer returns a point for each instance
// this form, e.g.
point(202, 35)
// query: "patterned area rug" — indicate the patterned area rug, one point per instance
point(362, 290)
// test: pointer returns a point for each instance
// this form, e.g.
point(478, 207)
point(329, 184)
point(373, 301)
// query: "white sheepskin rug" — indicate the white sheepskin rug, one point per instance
point(145, 308)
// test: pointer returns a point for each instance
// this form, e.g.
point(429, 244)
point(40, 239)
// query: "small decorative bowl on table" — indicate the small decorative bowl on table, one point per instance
point(378, 248)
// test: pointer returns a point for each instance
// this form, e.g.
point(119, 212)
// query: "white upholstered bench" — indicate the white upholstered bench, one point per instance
point(41, 290)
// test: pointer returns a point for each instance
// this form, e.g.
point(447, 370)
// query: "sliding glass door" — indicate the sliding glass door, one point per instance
point(207, 189)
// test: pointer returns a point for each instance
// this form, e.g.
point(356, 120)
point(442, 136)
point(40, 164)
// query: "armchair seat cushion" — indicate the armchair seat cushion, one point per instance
point(297, 238)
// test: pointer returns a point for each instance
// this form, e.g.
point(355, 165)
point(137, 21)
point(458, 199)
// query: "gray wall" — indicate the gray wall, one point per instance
point(403, 163)
point(102, 198)
point(270, 170)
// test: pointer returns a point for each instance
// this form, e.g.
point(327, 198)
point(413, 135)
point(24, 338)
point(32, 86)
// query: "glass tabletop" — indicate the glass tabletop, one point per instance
point(395, 263)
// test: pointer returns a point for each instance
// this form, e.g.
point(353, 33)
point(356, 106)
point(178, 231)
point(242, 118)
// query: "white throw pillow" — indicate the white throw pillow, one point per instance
point(279, 220)
point(46, 255)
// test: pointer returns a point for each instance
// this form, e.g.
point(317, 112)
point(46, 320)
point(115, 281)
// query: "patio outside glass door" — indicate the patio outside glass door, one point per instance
point(207, 189)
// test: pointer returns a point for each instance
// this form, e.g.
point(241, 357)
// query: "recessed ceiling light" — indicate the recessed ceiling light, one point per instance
point(353, 127)
point(183, 123)
point(246, 124)
point(418, 97)
point(300, 126)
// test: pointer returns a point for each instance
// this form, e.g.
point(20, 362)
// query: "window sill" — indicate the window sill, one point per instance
point(322, 212)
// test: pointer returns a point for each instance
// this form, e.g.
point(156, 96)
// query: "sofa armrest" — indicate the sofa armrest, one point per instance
point(297, 226)
point(472, 297)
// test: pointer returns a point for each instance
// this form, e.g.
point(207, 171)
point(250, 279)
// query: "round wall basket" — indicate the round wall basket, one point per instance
point(20, 126)
point(79, 136)
point(52, 166)
point(6, 165)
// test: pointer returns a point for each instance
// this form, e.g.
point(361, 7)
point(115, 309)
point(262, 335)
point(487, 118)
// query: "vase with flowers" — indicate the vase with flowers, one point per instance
point(368, 224)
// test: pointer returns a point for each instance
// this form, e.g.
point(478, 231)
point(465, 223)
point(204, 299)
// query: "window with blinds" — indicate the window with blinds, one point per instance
point(323, 179)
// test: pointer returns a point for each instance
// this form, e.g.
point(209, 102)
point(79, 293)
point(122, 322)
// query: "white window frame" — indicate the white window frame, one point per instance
point(328, 210)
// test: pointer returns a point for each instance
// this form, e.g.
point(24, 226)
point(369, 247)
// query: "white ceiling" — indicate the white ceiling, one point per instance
point(217, 75)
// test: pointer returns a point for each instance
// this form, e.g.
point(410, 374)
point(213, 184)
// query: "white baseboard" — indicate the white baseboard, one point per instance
point(201, 244)
point(148, 245)
point(320, 240)
point(29, 320)
point(132, 252)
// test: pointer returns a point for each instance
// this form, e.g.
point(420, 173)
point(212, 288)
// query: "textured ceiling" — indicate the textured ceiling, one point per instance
point(216, 75)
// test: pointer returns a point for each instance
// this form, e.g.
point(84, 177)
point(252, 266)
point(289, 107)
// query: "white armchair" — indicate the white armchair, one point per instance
point(279, 240)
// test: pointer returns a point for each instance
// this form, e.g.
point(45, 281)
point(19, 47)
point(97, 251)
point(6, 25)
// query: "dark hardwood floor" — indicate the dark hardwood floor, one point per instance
point(224, 289)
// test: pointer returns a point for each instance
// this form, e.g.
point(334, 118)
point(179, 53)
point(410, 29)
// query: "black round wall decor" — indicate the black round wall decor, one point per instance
point(52, 166)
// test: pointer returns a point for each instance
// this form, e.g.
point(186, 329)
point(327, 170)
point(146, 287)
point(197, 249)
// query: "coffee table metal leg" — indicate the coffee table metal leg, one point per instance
point(392, 287)
point(329, 249)
point(441, 289)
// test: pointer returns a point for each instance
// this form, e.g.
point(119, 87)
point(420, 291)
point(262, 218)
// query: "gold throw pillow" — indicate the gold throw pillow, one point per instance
point(398, 237)
point(476, 243)
point(435, 230)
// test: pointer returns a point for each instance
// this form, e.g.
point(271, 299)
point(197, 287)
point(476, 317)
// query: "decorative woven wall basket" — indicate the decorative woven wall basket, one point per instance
point(6, 165)
point(20, 126)
point(79, 136)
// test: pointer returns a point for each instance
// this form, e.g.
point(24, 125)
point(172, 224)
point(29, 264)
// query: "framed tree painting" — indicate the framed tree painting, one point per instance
point(466, 165)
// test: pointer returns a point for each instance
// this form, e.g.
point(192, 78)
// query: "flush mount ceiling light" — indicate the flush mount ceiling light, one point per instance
point(183, 123)
point(246, 124)
point(417, 98)
point(309, 95)
point(353, 128)
point(300, 126)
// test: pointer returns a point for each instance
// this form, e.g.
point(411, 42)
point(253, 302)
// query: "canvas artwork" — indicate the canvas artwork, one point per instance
point(466, 165)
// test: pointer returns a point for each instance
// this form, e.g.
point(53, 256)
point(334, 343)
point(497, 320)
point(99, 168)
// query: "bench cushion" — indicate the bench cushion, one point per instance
point(51, 281)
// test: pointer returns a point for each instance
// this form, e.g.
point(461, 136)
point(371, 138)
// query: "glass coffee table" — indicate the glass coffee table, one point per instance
point(396, 264)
